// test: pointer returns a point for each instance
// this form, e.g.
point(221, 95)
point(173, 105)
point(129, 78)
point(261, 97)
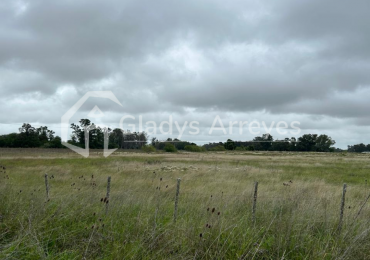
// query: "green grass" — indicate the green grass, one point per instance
point(298, 221)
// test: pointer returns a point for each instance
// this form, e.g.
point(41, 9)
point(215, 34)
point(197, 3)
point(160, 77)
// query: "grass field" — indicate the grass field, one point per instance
point(297, 210)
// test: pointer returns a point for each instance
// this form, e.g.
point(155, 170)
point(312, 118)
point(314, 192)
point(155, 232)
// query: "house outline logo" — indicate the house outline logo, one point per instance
point(69, 114)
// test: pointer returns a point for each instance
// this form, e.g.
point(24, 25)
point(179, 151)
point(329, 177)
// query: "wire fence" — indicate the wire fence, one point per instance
point(189, 192)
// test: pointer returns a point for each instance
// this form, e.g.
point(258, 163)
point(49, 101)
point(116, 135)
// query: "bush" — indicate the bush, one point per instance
point(240, 148)
point(229, 145)
point(218, 148)
point(170, 148)
point(148, 148)
point(46, 145)
point(194, 148)
point(56, 143)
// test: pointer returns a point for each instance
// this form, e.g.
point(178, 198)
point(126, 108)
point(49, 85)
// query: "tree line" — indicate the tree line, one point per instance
point(359, 148)
point(266, 142)
point(117, 137)
point(29, 136)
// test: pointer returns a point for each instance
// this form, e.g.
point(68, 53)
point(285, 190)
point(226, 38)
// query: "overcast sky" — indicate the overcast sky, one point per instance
point(286, 60)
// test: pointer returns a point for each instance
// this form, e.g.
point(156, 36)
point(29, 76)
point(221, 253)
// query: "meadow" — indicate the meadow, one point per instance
point(297, 209)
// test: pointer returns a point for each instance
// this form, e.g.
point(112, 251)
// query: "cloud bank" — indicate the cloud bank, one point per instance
point(304, 61)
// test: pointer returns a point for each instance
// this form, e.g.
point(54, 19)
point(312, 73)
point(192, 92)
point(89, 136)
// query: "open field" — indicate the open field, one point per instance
point(297, 209)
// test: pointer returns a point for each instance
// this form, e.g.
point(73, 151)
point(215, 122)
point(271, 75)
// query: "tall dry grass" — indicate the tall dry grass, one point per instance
point(297, 211)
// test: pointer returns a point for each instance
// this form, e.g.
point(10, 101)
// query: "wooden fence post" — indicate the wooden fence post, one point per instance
point(342, 207)
point(107, 196)
point(254, 201)
point(177, 199)
point(47, 186)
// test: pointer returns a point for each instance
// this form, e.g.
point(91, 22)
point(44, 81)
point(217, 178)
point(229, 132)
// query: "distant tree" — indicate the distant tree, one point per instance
point(324, 143)
point(293, 144)
point(28, 137)
point(56, 143)
point(96, 137)
point(85, 122)
point(170, 148)
point(229, 145)
point(281, 145)
point(77, 136)
point(27, 129)
point(45, 135)
point(263, 142)
point(154, 141)
point(10, 140)
point(116, 138)
point(358, 148)
point(179, 145)
point(307, 142)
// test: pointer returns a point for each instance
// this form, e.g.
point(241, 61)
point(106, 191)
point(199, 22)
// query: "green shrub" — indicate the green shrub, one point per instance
point(229, 145)
point(218, 148)
point(194, 148)
point(56, 143)
point(170, 148)
point(148, 148)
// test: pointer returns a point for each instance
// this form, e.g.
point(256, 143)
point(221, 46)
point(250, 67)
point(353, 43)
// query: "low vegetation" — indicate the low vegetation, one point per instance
point(297, 210)
point(30, 137)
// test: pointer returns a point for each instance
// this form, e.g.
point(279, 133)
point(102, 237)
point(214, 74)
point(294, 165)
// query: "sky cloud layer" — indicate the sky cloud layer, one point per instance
point(306, 61)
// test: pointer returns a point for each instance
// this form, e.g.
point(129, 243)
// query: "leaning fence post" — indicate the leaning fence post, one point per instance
point(47, 186)
point(342, 207)
point(107, 196)
point(254, 201)
point(177, 199)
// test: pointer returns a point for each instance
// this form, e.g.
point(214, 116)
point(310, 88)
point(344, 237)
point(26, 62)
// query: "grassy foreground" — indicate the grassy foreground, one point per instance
point(297, 211)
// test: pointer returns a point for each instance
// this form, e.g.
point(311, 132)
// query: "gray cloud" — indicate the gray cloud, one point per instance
point(283, 58)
